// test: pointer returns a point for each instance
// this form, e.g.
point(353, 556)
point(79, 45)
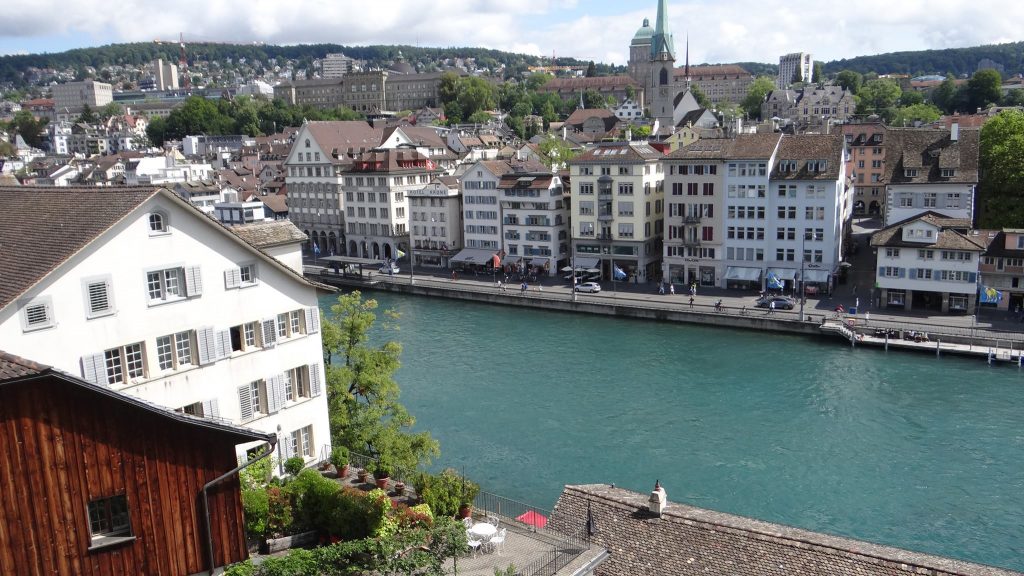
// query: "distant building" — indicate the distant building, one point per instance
point(369, 92)
point(336, 65)
point(1002, 268)
point(795, 67)
point(721, 83)
point(436, 221)
point(810, 108)
point(69, 99)
point(621, 88)
point(165, 75)
point(866, 166)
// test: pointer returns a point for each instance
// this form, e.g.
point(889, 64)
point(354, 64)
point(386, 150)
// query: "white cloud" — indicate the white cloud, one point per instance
point(600, 30)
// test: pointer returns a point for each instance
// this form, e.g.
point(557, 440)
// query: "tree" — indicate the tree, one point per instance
point(110, 110)
point(87, 116)
point(25, 125)
point(362, 395)
point(909, 115)
point(593, 99)
point(448, 88)
point(591, 70)
point(879, 97)
point(984, 89)
point(819, 73)
point(156, 130)
point(1001, 194)
point(702, 98)
point(850, 80)
point(630, 92)
point(944, 96)
point(557, 150)
point(758, 91)
point(1014, 97)
point(911, 98)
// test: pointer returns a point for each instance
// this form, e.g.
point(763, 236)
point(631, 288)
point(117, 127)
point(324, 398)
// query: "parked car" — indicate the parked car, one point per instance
point(781, 302)
point(588, 287)
point(388, 269)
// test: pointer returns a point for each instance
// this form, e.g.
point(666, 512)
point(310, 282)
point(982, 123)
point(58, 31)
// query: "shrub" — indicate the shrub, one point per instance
point(312, 498)
point(445, 492)
point(256, 507)
point(339, 456)
point(256, 475)
point(246, 568)
point(294, 465)
point(279, 512)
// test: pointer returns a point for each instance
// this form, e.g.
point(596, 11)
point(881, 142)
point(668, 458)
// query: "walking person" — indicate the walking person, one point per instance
point(771, 307)
point(661, 288)
point(672, 289)
point(691, 302)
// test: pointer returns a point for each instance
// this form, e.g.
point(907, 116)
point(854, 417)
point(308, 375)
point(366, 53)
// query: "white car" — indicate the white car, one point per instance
point(388, 269)
point(588, 287)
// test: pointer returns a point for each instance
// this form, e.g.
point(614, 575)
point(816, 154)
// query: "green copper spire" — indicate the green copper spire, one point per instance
point(662, 46)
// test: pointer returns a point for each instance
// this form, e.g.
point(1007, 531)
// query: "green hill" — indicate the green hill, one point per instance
point(956, 61)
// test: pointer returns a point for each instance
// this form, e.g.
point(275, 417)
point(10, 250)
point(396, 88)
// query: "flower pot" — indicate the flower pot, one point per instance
point(399, 488)
point(465, 511)
point(363, 475)
point(343, 473)
point(382, 483)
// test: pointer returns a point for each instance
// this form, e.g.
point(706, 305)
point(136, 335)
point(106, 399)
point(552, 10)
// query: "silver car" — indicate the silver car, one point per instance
point(588, 287)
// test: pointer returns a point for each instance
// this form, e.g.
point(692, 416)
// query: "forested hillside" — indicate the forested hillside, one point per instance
point(956, 61)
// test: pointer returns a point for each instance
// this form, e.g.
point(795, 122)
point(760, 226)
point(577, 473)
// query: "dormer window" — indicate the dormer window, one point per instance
point(157, 223)
point(948, 172)
point(910, 172)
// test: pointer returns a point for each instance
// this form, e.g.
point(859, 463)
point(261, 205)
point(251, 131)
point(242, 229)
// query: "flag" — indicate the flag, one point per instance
point(495, 261)
point(400, 254)
point(430, 164)
point(618, 273)
point(773, 282)
point(990, 295)
point(316, 249)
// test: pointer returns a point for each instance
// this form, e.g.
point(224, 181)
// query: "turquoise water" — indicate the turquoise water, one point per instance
point(895, 448)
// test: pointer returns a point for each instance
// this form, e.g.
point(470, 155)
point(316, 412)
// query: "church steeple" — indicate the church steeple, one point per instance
point(662, 46)
point(687, 59)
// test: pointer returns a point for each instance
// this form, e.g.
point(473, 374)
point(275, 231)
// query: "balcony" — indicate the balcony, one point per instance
point(691, 219)
point(606, 217)
point(691, 242)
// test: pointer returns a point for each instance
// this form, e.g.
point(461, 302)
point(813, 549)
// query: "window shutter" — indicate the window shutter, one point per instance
point(901, 272)
point(223, 344)
point(972, 277)
point(275, 394)
point(211, 409)
point(269, 333)
point(314, 380)
point(881, 271)
point(912, 273)
point(206, 340)
point(99, 297)
point(312, 320)
point(245, 402)
point(232, 278)
point(287, 441)
point(94, 369)
point(193, 281)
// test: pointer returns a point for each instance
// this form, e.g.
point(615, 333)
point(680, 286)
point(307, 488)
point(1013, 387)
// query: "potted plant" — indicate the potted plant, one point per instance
point(399, 488)
point(382, 475)
point(365, 471)
point(339, 457)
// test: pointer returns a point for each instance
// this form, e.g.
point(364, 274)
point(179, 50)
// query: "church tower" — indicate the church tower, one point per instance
point(662, 83)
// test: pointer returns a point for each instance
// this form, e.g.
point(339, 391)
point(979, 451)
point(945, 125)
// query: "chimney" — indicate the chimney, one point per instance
point(564, 131)
point(954, 131)
point(658, 500)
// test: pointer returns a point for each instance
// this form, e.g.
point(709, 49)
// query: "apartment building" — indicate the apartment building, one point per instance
point(795, 67)
point(1002, 269)
point(866, 142)
point(69, 98)
point(139, 291)
point(336, 65)
point(618, 203)
point(534, 221)
point(436, 227)
point(694, 213)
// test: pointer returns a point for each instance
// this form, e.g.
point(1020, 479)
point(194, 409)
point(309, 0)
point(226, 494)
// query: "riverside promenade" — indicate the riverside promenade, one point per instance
point(992, 333)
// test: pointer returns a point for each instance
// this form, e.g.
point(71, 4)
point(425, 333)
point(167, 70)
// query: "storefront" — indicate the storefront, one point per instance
point(742, 278)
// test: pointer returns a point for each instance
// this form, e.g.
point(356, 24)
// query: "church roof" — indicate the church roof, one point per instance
point(643, 34)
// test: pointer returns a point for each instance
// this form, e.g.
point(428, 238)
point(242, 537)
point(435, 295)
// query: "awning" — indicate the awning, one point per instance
point(473, 256)
point(742, 273)
point(538, 262)
point(816, 275)
point(783, 273)
point(586, 262)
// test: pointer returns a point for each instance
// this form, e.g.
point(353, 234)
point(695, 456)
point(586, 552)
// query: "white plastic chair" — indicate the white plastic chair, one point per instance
point(497, 540)
point(474, 545)
point(467, 522)
point(493, 520)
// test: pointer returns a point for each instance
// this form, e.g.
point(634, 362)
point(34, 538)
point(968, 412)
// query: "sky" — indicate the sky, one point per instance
point(720, 31)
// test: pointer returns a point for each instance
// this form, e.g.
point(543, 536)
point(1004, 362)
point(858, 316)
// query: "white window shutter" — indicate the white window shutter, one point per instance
point(223, 344)
point(94, 369)
point(232, 278)
point(312, 320)
point(275, 397)
point(314, 380)
point(207, 342)
point(193, 281)
point(245, 402)
point(287, 441)
point(269, 333)
point(210, 408)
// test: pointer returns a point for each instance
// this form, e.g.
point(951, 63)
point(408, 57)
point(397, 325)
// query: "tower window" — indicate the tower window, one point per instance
point(663, 80)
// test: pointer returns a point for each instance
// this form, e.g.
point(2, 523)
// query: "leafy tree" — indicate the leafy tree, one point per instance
point(593, 99)
point(110, 110)
point(30, 129)
point(630, 92)
point(911, 98)
point(879, 97)
point(480, 117)
point(448, 89)
point(536, 80)
point(818, 75)
point(1001, 195)
point(87, 116)
point(944, 96)
point(850, 80)
point(156, 130)
point(476, 95)
point(702, 98)
point(1014, 97)
point(921, 112)
point(591, 70)
point(984, 89)
point(758, 91)
point(365, 413)
point(557, 150)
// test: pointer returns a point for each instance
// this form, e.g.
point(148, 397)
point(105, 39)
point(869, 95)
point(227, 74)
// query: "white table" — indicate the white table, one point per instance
point(483, 530)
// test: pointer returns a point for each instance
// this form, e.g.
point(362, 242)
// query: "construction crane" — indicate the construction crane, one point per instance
point(183, 60)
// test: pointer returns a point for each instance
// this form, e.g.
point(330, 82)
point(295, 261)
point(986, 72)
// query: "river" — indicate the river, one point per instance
point(890, 447)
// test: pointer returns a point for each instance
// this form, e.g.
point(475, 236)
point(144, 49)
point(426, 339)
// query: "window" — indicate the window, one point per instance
point(172, 284)
point(626, 188)
point(241, 277)
point(910, 172)
point(109, 521)
point(301, 443)
point(37, 314)
point(296, 384)
point(256, 395)
point(174, 350)
point(124, 363)
point(157, 223)
point(948, 172)
point(925, 254)
point(892, 252)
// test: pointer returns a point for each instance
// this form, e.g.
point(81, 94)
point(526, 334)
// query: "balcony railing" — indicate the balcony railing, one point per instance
point(691, 219)
point(691, 242)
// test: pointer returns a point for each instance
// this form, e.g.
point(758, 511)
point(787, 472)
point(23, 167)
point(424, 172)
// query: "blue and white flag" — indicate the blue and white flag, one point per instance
point(618, 273)
point(773, 282)
point(316, 248)
point(399, 253)
point(990, 295)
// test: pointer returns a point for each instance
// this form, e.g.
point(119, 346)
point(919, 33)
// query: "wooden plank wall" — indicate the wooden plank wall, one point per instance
point(62, 446)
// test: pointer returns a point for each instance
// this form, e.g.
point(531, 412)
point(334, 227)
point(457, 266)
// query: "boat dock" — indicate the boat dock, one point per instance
point(921, 342)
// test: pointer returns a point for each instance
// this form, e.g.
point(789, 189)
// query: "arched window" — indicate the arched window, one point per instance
point(157, 223)
point(663, 77)
point(307, 142)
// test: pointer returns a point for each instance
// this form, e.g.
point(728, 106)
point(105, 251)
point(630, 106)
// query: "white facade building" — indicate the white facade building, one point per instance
point(436, 226)
point(790, 65)
point(336, 65)
point(481, 206)
point(535, 220)
point(71, 97)
point(928, 262)
point(165, 75)
point(146, 295)
point(155, 170)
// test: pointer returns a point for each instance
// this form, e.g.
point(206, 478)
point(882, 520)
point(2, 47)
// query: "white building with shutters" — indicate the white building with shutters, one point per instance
point(139, 290)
